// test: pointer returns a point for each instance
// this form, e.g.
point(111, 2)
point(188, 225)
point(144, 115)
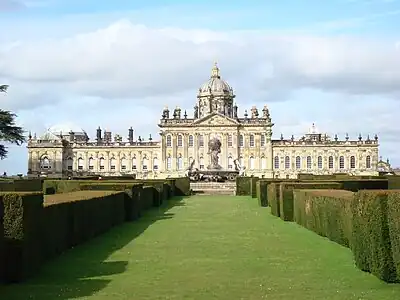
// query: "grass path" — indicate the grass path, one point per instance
point(205, 248)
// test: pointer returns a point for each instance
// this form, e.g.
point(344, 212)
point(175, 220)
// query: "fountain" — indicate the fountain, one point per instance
point(214, 171)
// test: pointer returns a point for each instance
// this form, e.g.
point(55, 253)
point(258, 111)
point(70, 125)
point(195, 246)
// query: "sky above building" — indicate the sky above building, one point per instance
point(116, 64)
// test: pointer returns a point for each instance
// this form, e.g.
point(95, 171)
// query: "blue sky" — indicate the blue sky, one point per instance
point(335, 63)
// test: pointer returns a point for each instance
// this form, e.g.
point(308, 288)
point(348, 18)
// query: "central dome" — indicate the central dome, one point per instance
point(215, 85)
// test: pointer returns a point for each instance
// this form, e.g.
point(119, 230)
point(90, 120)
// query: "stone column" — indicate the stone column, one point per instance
point(206, 156)
point(269, 153)
point(257, 138)
point(107, 162)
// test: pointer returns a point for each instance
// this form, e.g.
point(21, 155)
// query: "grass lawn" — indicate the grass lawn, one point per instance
point(205, 247)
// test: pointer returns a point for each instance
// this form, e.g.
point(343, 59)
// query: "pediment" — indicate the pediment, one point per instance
point(215, 119)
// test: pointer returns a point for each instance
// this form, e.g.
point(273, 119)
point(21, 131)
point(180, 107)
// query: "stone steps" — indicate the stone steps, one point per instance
point(213, 188)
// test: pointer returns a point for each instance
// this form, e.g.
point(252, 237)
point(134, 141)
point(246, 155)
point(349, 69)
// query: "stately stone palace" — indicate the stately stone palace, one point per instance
point(185, 139)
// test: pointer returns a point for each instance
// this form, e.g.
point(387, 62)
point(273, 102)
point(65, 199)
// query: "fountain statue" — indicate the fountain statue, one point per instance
point(214, 148)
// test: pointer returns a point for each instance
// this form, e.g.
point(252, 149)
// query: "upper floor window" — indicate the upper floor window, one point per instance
point(352, 162)
point(298, 162)
point(230, 142)
point(201, 141)
point(320, 162)
point(180, 140)
point(309, 162)
point(169, 141)
point(241, 140)
point(330, 162)
point(191, 142)
point(341, 162)
point(262, 141)
point(251, 140)
point(276, 162)
point(287, 162)
point(368, 162)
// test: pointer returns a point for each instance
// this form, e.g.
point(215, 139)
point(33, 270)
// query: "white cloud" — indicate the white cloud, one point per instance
point(123, 74)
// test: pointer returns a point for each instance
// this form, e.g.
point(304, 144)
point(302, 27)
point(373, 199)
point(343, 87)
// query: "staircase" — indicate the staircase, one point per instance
point(213, 188)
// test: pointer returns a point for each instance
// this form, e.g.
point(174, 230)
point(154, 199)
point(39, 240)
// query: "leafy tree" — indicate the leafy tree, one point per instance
point(9, 132)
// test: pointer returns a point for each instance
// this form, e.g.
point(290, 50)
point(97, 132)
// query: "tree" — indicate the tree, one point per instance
point(9, 132)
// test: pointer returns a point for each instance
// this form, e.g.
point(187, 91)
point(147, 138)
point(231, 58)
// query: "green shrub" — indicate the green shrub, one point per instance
point(146, 199)
point(262, 193)
point(273, 198)
point(73, 218)
point(371, 243)
point(364, 184)
point(22, 234)
point(394, 227)
point(286, 194)
point(253, 185)
point(132, 202)
point(1, 241)
point(182, 186)
point(21, 185)
point(326, 212)
point(393, 182)
point(243, 186)
point(61, 186)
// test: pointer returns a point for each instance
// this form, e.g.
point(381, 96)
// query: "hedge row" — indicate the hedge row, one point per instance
point(326, 212)
point(178, 186)
point(38, 227)
point(366, 221)
point(21, 185)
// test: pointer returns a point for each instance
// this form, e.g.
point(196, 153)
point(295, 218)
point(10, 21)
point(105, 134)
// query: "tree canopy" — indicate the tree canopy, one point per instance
point(9, 132)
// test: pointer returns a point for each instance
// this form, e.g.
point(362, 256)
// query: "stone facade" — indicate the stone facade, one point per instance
point(184, 139)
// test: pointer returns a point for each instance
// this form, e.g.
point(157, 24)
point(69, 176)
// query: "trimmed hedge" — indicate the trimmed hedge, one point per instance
point(1, 241)
point(262, 193)
point(326, 212)
point(394, 228)
point(286, 205)
point(182, 186)
point(273, 195)
point(21, 185)
point(22, 234)
point(73, 218)
point(253, 186)
point(243, 186)
point(371, 243)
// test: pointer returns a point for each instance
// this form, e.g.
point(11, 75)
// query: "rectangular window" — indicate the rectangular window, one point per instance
point(262, 142)
point(251, 140)
point(241, 140)
point(230, 143)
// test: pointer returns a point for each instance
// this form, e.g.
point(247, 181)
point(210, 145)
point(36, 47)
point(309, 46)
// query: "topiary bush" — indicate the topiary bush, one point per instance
point(22, 234)
point(243, 186)
point(286, 205)
point(371, 242)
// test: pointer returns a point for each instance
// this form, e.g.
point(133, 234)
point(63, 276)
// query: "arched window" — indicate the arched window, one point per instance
point(180, 140)
point(262, 140)
point(309, 162)
point(230, 163)
point(341, 162)
point(276, 162)
point(241, 140)
point(263, 162)
point(201, 163)
point(113, 163)
point(241, 161)
point(101, 163)
point(287, 162)
point(230, 140)
point(191, 141)
point(70, 163)
point(320, 162)
point(368, 162)
point(352, 162)
point(134, 163)
point(169, 141)
point(169, 163)
point(252, 163)
point(45, 163)
point(145, 163)
point(298, 162)
point(81, 163)
point(201, 141)
point(91, 163)
point(155, 163)
point(179, 162)
point(330, 162)
point(251, 140)
point(124, 163)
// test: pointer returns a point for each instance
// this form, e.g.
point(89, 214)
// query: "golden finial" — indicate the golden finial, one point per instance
point(215, 71)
